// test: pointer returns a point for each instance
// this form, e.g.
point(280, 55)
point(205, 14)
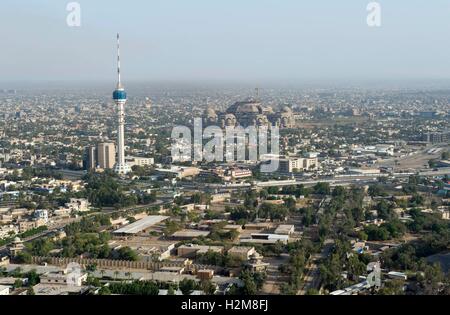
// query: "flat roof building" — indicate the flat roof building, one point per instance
point(141, 225)
point(285, 229)
point(189, 234)
point(260, 238)
point(4, 290)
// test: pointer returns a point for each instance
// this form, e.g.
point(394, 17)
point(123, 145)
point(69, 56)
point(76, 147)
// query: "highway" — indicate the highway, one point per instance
point(352, 179)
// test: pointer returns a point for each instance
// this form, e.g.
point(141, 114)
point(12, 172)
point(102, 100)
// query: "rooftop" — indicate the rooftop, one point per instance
point(190, 233)
point(141, 225)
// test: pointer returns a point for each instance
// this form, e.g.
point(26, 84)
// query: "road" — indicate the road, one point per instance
point(274, 276)
point(353, 179)
point(312, 277)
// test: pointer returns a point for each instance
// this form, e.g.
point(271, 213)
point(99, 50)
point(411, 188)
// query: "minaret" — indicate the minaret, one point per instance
point(120, 98)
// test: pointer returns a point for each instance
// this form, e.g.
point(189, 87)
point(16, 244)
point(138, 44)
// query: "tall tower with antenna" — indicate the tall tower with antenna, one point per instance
point(120, 98)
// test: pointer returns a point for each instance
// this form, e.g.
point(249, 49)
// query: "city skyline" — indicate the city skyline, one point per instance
point(246, 149)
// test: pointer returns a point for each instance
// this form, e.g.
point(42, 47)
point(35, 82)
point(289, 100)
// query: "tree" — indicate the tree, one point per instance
point(432, 279)
point(18, 283)
point(91, 268)
point(376, 190)
point(312, 291)
point(273, 212)
point(126, 253)
point(170, 290)
point(249, 287)
point(339, 191)
point(30, 291)
point(322, 188)
point(23, 258)
point(308, 216)
point(253, 282)
point(33, 277)
point(104, 291)
point(290, 203)
point(355, 267)
point(187, 286)
point(288, 289)
point(392, 287)
point(208, 287)
point(241, 213)
point(92, 281)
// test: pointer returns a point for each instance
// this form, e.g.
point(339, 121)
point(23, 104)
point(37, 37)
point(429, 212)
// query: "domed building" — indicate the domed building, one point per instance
point(285, 118)
point(249, 113)
point(210, 117)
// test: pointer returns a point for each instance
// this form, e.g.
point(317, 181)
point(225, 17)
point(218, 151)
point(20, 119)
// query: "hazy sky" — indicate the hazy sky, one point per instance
point(236, 40)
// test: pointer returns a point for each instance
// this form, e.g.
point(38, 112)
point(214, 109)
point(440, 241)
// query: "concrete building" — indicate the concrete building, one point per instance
point(179, 172)
point(436, 137)
point(106, 153)
point(189, 234)
point(263, 238)
point(41, 214)
point(241, 252)
point(250, 112)
point(78, 205)
point(16, 247)
point(237, 173)
point(90, 158)
point(140, 161)
point(295, 164)
point(4, 290)
point(379, 149)
point(285, 229)
point(192, 250)
point(141, 225)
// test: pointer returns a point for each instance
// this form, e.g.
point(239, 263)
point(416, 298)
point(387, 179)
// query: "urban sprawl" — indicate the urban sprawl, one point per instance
point(93, 203)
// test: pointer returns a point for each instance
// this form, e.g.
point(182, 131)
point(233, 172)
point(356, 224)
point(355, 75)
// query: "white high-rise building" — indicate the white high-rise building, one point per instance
point(120, 98)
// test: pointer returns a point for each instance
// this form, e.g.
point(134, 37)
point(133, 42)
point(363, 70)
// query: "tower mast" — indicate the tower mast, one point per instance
point(120, 98)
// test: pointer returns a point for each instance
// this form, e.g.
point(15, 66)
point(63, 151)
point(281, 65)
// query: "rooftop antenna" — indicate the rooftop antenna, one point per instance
point(119, 84)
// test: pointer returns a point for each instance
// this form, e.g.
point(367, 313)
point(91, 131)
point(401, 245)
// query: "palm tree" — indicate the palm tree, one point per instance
point(116, 273)
point(128, 275)
point(18, 271)
point(102, 272)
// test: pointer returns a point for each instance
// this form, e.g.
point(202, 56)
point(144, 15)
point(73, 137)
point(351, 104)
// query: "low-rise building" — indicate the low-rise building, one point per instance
point(78, 205)
point(265, 239)
point(241, 252)
point(192, 250)
point(41, 214)
point(4, 290)
point(64, 277)
point(189, 234)
point(285, 229)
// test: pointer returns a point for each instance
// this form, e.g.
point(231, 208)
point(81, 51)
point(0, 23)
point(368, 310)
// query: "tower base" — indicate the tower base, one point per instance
point(122, 169)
